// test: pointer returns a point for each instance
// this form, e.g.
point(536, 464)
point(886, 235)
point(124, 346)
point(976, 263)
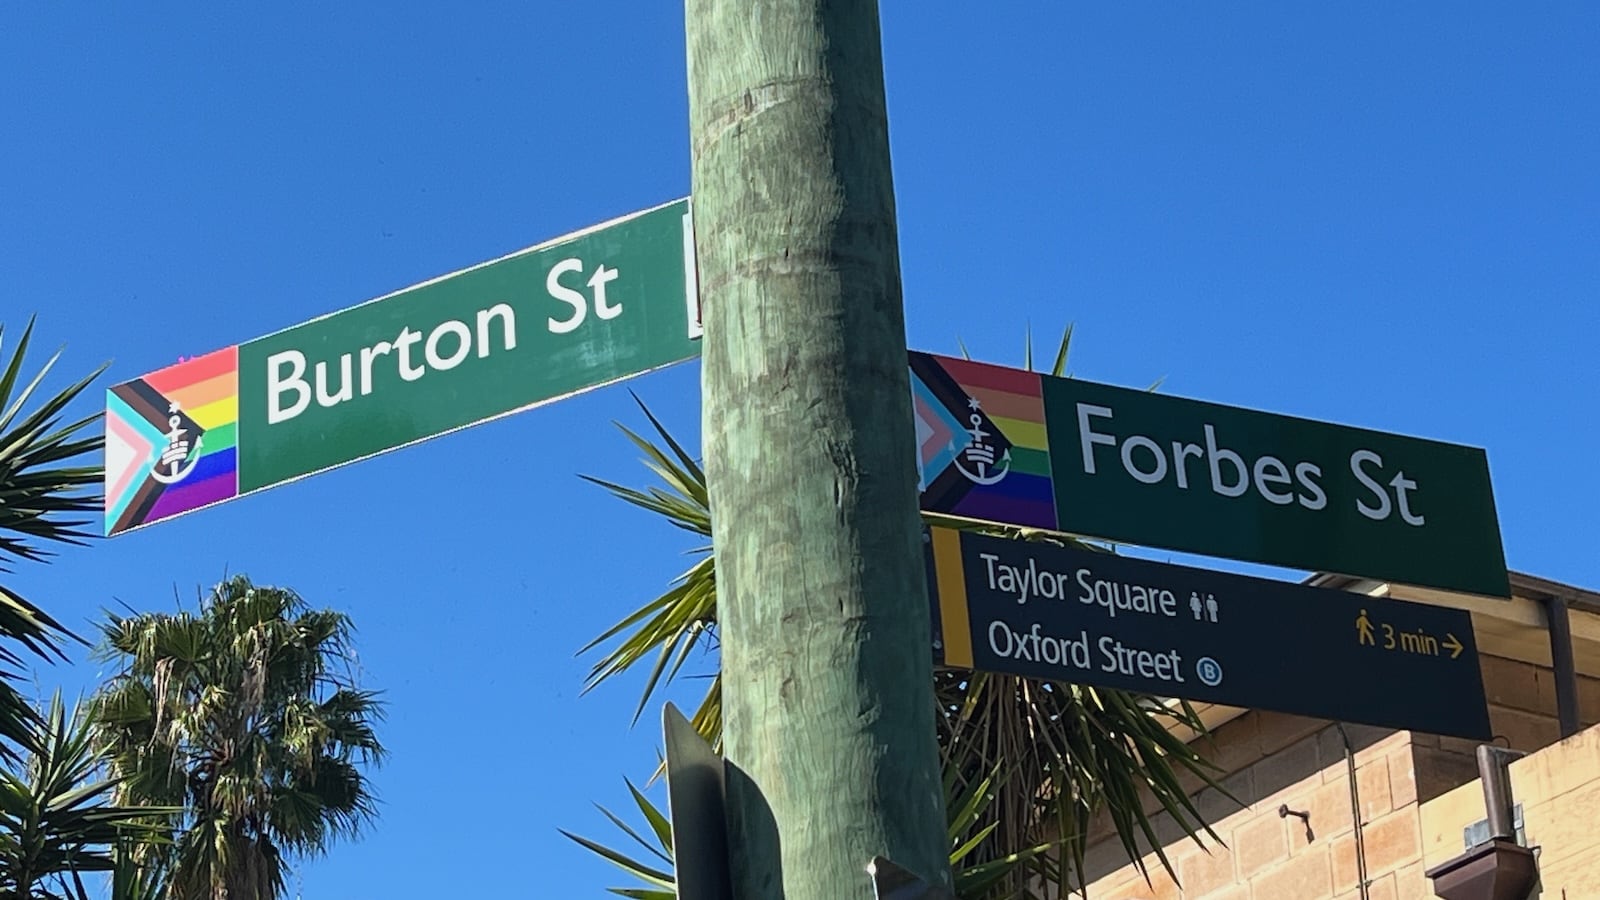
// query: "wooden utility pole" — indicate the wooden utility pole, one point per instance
point(826, 662)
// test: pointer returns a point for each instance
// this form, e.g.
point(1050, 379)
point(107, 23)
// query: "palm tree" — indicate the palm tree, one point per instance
point(246, 715)
point(43, 496)
point(56, 821)
point(1067, 753)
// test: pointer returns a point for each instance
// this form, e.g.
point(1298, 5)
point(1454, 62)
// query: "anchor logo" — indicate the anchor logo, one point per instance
point(176, 456)
point(980, 454)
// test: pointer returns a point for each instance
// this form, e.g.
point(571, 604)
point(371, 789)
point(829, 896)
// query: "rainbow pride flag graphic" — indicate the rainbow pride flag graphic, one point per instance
point(172, 441)
point(982, 448)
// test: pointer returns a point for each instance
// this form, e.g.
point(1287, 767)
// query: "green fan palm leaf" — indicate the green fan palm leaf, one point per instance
point(246, 716)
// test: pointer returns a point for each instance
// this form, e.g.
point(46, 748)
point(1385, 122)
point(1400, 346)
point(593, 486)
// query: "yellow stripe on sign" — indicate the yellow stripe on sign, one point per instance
point(953, 622)
point(219, 412)
point(1024, 434)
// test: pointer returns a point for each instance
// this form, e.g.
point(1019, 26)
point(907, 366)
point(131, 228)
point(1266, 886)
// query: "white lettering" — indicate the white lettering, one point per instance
point(1381, 511)
point(574, 299)
point(341, 379)
point(1089, 436)
point(1216, 455)
point(368, 354)
point(1180, 453)
point(995, 645)
point(346, 387)
point(508, 327)
point(1232, 473)
point(278, 382)
point(597, 284)
point(1125, 660)
point(1116, 595)
point(1049, 586)
point(1033, 646)
point(1045, 648)
point(1026, 582)
point(1151, 477)
point(1303, 472)
point(402, 346)
point(1111, 648)
point(1402, 485)
point(1271, 470)
point(1008, 581)
point(463, 337)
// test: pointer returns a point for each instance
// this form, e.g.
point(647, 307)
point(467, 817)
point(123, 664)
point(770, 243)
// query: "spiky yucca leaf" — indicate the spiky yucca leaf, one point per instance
point(46, 492)
point(57, 818)
point(1071, 752)
point(967, 830)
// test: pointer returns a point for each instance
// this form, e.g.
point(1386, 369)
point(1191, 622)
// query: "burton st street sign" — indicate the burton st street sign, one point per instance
point(578, 312)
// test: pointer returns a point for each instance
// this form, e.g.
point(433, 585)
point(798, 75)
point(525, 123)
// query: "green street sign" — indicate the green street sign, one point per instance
point(583, 310)
point(1068, 614)
point(1005, 445)
point(994, 444)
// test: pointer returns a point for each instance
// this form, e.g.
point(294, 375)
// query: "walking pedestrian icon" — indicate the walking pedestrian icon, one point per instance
point(1364, 633)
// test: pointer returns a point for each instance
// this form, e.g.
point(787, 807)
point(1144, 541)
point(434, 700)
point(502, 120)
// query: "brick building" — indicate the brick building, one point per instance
point(1316, 802)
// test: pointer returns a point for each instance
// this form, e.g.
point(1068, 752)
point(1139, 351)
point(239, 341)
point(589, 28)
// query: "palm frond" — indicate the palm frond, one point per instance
point(966, 828)
point(58, 816)
point(46, 496)
point(1045, 758)
point(243, 713)
point(658, 845)
point(1059, 367)
point(36, 492)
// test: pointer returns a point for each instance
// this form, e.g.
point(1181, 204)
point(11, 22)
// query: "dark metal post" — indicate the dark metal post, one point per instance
point(1566, 671)
point(1492, 769)
point(1364, 883)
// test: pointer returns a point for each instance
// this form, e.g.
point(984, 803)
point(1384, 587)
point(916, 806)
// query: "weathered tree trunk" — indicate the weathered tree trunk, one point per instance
point(826, 662)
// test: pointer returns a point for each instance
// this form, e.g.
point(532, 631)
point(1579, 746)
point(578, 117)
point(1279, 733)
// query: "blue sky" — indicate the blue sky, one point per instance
point(1379, 214)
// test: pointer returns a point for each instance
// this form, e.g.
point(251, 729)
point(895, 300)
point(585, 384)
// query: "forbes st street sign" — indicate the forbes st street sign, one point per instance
point(1005, 445)
point(1082, 617)
point(583, 310)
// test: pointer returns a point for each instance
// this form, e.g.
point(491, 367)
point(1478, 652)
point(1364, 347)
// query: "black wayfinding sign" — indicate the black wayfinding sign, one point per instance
point(1083, 617)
